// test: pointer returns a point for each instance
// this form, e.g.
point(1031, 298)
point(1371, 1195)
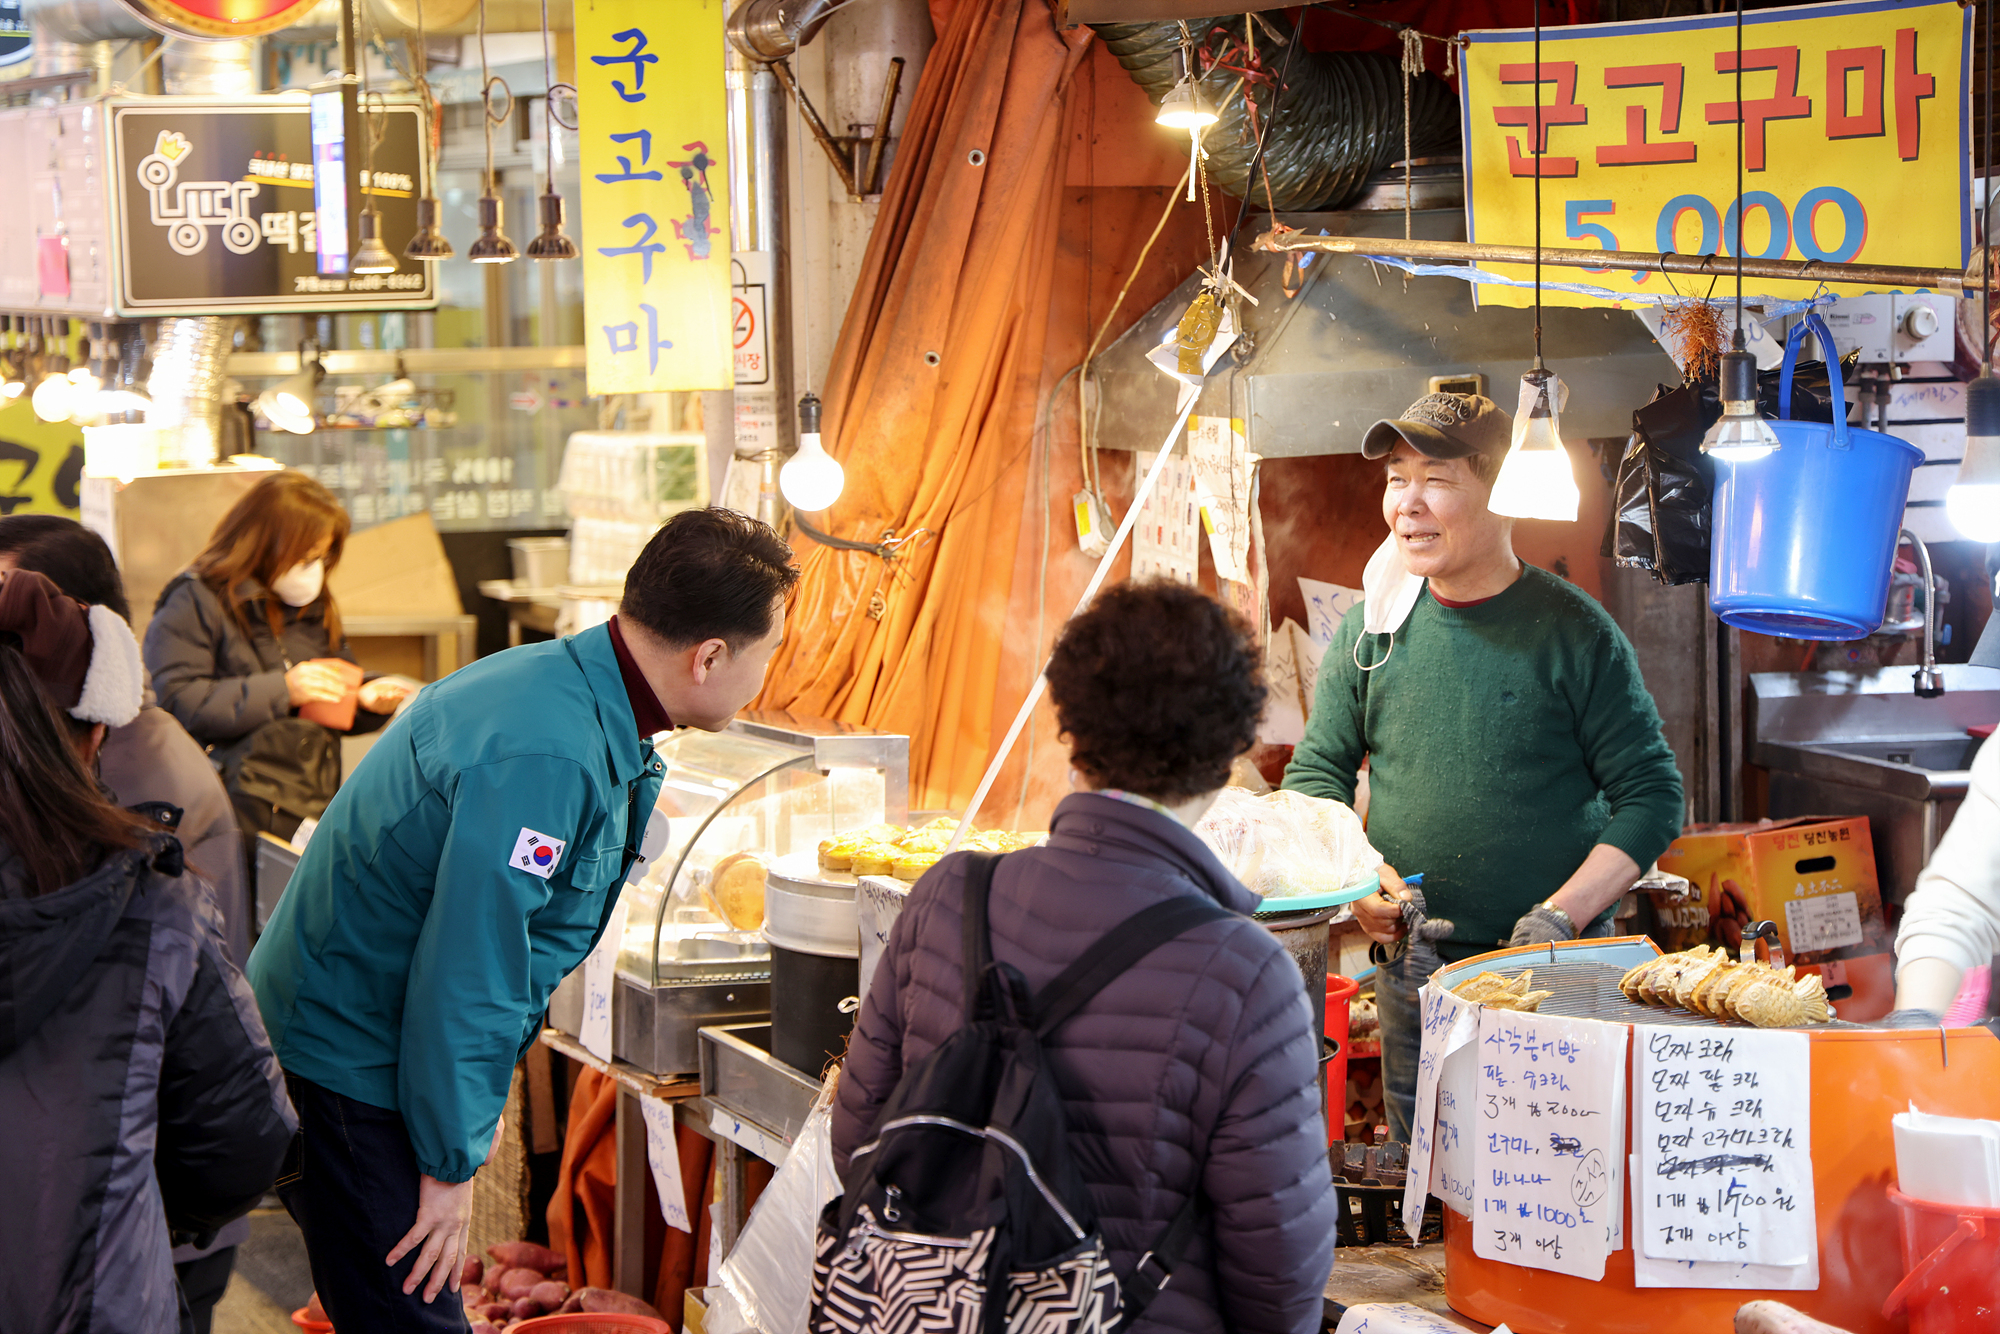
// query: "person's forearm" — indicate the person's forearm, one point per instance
point(1597, 884)
point(1927, 984)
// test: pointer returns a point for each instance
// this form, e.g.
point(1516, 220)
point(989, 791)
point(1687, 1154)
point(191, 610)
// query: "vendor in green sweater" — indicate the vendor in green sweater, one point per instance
point(1515, 757)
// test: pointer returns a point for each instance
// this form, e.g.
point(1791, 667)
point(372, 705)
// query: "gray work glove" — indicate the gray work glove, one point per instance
point(1419, 946)
point(1540, 925)
point(1910, 1019)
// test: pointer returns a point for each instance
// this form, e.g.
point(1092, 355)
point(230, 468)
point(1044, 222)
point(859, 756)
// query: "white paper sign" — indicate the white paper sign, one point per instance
point(1449, 1023)
point(1546, 1135)
point(1650, 1273)
point(1399, 1318)
point(1725, 1145)
point(1325, 605)
point(1284, 721)
point(1166, 538)
point(600, 975)
point(1222, 484)
point(663, 1152)
point(1451, 1165)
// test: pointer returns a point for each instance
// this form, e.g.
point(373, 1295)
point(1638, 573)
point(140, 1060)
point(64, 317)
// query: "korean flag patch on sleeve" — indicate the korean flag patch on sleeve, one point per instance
point(537, 854)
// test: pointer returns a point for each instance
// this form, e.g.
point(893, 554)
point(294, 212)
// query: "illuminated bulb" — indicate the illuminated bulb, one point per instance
point(1741, 435)
point(1183, 108)
point(54, 398)
point(372, 256)
point(1973, 502)
point(811, 479)
point(1535, 482)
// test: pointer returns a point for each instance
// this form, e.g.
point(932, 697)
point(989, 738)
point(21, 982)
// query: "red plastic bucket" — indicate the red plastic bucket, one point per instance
point(1951, 1264)
point(1339, 991)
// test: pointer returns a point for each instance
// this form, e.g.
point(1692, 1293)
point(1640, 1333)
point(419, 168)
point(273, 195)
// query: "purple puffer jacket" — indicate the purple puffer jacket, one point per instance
point(1199, 1060)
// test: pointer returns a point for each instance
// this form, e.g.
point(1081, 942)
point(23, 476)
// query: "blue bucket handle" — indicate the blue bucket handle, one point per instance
point(1837, 392)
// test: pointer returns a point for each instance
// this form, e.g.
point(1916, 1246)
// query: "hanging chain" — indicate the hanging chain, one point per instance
point(1413, 65)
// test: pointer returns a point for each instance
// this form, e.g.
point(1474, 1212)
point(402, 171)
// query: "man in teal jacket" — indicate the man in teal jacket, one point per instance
point(467, 865)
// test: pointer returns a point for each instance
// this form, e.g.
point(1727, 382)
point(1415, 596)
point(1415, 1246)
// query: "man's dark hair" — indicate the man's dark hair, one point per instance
point(72, 557)
point(24, 530)
point(1158, 688)
point(709, 574)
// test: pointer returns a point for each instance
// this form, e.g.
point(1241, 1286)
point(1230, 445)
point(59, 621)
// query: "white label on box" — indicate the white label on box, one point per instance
point(600, 975)
point(1826, 922)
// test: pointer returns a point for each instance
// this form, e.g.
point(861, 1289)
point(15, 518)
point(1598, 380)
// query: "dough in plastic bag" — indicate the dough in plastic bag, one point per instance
point(1286, 844)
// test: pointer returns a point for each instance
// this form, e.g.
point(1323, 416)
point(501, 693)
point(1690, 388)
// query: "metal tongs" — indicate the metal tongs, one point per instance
point(1774, 953)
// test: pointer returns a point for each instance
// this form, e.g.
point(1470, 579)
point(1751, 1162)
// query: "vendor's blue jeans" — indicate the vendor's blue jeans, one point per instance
point(1396, 985)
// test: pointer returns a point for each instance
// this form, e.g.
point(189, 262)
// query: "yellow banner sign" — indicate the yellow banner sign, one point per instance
point(653, 124)
point(1854, 123)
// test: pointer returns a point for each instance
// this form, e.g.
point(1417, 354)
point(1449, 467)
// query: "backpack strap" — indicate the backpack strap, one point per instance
point(1156, 1266)
point(978, 946)
point(1117, 950)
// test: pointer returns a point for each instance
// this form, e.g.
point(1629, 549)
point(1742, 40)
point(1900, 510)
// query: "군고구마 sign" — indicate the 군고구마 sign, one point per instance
point(651, 118)
point(1854, 142)
point(213, 204)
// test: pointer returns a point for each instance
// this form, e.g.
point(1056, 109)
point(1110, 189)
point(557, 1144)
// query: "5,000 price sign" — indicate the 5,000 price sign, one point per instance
point(1854, 141)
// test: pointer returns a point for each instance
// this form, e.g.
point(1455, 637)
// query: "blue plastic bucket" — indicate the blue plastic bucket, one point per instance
point(1804, 539)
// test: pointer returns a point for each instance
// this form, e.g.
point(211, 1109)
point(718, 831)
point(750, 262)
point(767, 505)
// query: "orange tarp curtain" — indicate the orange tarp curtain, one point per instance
point(931, 400)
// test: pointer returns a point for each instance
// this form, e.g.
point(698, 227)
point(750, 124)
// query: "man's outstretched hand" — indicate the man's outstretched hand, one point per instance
point(444, 1215)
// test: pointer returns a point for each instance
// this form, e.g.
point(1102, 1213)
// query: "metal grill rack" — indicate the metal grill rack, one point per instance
point(1588, 989)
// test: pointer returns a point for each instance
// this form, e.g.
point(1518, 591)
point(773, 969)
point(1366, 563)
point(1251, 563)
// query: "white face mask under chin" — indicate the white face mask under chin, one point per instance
point(1390, 592)
point(299, 585)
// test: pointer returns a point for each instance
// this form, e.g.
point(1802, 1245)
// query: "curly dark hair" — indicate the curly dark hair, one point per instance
point(1158, 687)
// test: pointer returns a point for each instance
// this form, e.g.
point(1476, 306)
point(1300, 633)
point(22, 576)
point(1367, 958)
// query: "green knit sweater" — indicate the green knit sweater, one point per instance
point(1504, 741)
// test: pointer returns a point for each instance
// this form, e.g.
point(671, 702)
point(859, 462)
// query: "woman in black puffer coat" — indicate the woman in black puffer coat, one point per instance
point(141, 1101)
point(1194, 1072)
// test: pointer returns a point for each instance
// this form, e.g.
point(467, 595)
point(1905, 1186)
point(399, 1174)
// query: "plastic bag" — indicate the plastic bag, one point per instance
point(1286, 844)
point(1664, 484)
point(765, 1285)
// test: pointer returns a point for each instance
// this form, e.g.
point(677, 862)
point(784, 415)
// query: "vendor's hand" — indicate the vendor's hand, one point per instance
point(383, 694)
point(312, 683)
point(444, 1216)
point(1540, 925)
point(1381, 914)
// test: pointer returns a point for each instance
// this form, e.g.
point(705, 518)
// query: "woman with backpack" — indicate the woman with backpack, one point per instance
point(142, 1104)
point(247, 634)
point(1187, 1081)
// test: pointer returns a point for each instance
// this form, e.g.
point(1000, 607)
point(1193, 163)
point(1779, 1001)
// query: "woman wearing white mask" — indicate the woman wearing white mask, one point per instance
point(248, 633)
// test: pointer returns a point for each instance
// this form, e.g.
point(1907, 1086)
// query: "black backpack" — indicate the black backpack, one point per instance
point(965, 1212)
point(284, 772)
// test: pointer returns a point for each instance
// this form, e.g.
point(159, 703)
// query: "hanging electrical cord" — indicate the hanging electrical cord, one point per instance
point(492, 247)
point(552, 242)
point(1541, 142)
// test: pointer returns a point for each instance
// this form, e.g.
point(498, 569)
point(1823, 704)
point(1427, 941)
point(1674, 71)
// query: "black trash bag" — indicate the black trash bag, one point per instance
point(1664, 485)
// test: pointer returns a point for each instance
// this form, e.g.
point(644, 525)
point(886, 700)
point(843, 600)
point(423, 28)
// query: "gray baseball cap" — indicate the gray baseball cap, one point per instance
point(1444, 426)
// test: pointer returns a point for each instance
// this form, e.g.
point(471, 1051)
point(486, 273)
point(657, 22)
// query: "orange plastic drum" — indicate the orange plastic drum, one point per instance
point(1859, 1080)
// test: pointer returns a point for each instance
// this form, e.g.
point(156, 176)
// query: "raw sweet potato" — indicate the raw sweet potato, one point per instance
point(527, 1307)
point(572, 1306)
point(518, 1283)
point(551, 1294)
point(473, 1296)
point(603, 1301)
point(497, 1310)
point(472, 1270)
point(484, 1327)
point(526, 1255)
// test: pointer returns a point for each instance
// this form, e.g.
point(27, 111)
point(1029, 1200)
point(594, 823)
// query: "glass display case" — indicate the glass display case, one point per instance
point(769, 786)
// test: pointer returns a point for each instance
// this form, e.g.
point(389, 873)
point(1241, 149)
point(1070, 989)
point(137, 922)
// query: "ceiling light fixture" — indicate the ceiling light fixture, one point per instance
point(492, 247)
point(429, 244)
point(1536, 480)
point(288, 405)
point(811, 478)
point(552, 242)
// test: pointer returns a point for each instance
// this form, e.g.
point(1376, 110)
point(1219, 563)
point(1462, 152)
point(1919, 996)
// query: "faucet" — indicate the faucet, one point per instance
point(1929, 684)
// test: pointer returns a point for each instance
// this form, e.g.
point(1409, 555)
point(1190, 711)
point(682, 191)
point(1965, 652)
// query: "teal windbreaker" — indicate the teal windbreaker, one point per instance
point(468, 864)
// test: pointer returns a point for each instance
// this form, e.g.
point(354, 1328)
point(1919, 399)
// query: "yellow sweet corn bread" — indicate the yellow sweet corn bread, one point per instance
point(736, 887)
point(912, 865)
point(875, 859)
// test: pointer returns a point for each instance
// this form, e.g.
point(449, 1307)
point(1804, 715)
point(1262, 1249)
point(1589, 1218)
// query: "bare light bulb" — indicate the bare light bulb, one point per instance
point(1536, 481)
point(1740, 435)
point(53, 398)
point(812, 478)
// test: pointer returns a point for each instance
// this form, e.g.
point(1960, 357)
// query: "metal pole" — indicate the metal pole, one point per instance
point(1953, 281)
point(758, 237)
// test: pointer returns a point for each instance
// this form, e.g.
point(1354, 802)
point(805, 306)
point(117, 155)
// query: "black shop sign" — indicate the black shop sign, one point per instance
point(213, 206)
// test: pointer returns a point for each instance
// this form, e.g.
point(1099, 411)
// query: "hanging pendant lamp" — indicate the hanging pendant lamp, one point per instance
point(492, 247)
point(429, 244)
point(1536, 480)
point(551, 242)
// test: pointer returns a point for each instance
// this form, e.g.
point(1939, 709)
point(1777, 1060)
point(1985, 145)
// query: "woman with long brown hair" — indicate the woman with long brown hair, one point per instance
point(141, 1100)
point(243, 636)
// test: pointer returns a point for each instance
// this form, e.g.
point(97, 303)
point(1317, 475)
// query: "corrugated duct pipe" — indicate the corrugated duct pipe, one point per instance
point(1339, 117)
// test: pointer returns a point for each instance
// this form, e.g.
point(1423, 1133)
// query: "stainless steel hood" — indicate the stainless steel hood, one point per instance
point(1355, 347)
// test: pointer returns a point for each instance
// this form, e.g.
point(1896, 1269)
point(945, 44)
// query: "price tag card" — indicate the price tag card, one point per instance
point(1725, 1145)
point(1449, 1023)
point(1400, 1318)
point(600, 975)
point(663, 1154)
point(1546, 1136)
point(1650, 1273)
